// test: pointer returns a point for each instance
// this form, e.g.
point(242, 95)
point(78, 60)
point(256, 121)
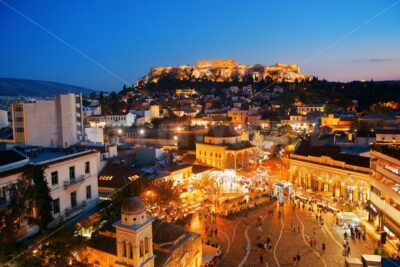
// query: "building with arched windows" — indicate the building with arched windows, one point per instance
point(137, 240)
point(335, 174)
point(223, 148)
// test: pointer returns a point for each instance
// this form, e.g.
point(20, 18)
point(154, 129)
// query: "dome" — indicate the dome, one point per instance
point(164, 232)
point(133, 205)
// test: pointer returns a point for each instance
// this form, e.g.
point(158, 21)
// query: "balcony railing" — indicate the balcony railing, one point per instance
point(387, 173)
point(74, 210)
point(75, 181)
point(389, 210)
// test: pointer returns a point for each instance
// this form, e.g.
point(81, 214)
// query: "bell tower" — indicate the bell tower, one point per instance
point(134, 235)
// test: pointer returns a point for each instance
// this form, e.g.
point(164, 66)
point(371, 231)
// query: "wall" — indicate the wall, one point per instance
point(3, 118)
point(64, 193)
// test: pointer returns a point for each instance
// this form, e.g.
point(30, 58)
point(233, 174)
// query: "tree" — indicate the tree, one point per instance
point(39, 195)
point(64, 248)
point(93, 95)
point(165, 192)
point(285, 129)
point(12, 217)
point(30, 202)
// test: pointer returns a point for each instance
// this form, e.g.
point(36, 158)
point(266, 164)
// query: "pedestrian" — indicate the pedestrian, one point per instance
point(348, 251)
point(298, 256)
point(261, 258)
point(298, 228)
point(323, 246)
point(294, 259)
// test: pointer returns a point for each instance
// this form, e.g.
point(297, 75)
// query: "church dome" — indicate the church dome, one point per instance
point(133, 205)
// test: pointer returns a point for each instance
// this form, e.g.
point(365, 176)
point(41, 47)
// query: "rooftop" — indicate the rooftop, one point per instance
point(392, 151)
point(103, 243)
point(387, 130)
point(10, 156)
point(240, 145)
point(201, 168)
point(222, 131)
point(306, 149)
point(164, 232)
point(116, 175)
point(44, 155)
point(178, 167)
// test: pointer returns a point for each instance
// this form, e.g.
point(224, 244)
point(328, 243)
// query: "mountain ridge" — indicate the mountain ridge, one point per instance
point(37, 88)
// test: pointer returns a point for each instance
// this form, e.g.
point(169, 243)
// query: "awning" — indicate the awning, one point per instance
point(209, 253)
point(372, 209)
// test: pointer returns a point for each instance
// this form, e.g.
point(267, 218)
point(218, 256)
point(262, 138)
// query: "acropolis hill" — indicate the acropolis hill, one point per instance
point(227, 70)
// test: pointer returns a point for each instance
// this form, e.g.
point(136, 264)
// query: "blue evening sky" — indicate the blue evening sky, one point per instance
point(129, 37)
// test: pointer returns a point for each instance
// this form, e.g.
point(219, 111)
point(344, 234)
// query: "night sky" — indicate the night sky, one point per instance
point(336, 40)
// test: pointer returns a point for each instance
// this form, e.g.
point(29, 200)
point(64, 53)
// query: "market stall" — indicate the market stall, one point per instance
point(346, 218)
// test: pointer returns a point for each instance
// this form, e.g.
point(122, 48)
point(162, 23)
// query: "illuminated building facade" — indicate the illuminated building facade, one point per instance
point(384, 208)
point(224, 148)
point(342, 176)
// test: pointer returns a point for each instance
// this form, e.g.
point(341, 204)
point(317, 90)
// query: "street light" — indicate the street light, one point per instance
point(175, 137)
point(141, 131)
point(119, 131)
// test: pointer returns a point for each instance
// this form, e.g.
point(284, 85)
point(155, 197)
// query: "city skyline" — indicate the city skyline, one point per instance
point(102, 47)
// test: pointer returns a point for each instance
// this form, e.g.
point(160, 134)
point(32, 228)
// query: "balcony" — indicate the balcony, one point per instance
point(72, 211)
point(75, 181)
point(388, 174)
point(390, 211)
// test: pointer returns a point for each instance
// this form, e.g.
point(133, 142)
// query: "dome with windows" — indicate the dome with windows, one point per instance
point(132, 206)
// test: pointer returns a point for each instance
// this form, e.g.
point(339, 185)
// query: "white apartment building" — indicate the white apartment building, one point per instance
point(384, 207)
point(3, 118)
point(116, 120)
point(49, 123)
point(71, 177)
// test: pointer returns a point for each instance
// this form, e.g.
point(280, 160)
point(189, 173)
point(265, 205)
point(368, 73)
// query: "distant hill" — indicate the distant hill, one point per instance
point(24, 87)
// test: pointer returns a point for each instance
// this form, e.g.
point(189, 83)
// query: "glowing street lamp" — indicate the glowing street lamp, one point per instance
point(141, 131)
point(119, 131)
point(175, 137)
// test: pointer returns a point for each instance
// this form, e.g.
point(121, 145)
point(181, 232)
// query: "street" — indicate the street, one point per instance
point(239, 238)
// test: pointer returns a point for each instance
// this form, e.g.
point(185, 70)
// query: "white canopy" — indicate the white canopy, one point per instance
point(348, 217)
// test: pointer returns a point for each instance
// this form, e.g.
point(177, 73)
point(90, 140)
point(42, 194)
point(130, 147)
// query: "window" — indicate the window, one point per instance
point(73, 199)
point(18, 109)
point(87, 167)
point(19, 130)
point(56, 206)
point(88, 192)
point(141, 248)
point(19, 119)
point(3, 193)
point(72, 172)
point(146, 245)
point(54, 178)
point(124, 249)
